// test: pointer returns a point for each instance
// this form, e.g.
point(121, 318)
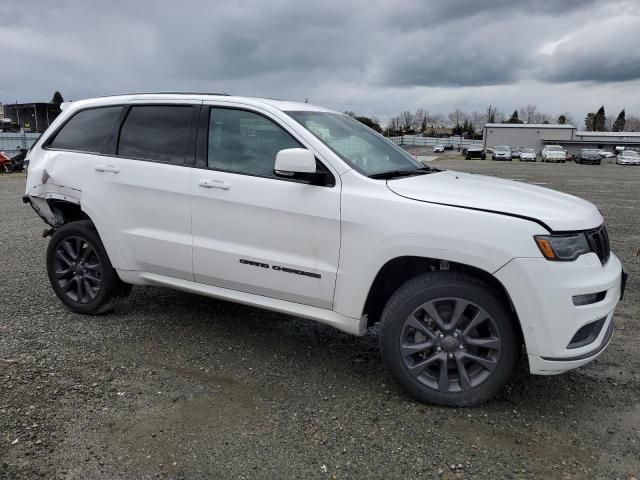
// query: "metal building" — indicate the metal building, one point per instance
point(31, 117)
point(538, 135)
point(531, 135)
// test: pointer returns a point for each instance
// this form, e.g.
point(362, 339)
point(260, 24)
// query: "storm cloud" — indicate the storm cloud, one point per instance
point(377, 57)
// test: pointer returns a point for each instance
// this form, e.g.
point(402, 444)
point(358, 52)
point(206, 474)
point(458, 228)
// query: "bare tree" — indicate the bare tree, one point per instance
point(393, 127)
point(435, 120)
point(541, 117)
point(608, 124)
point(420, 120)
point(457, 117)
point(494, 115)
point(407, 119)
point(491, 114)
point(477, 120)
point(528, 114)
point(632, 123)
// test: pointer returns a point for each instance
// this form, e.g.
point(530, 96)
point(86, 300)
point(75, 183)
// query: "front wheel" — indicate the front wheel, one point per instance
point(80, 271)
point(448, 339)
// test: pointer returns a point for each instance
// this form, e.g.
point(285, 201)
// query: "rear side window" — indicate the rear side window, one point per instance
point(156, 132)
point(87, 130)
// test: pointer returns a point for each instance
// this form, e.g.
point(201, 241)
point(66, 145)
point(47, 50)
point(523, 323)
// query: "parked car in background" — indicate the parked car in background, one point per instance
point(474, 151)
point(553, 153)
point(515, 152)
point(606, 154)
point(497, 263)
point(502, 152)
point(527, 155)
point(589, 156)
point(438, 148)
point(628, 157)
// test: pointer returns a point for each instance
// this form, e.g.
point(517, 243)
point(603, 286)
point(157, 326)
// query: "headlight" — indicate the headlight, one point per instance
point(562, 247)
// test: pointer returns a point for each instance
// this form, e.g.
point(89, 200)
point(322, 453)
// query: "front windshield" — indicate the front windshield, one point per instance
point(356, 144)
point(630, 153)
point(527, 150)
point(554, 148)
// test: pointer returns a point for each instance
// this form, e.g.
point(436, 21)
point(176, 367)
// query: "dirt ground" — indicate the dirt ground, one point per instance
point(173, 385)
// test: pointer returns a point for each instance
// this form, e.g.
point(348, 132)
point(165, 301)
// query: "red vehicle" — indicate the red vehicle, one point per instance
point(5, 163)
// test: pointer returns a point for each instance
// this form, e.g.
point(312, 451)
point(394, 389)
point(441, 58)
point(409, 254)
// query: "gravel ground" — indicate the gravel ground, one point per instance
point(174, 385)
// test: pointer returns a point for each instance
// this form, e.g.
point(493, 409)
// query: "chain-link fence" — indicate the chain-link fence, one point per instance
point(420, 141)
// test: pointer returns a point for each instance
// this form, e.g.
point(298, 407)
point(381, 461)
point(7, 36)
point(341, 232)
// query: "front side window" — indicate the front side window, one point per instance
point(87, 130)
point(245, 142)
point(156, 132)
point(355, 143)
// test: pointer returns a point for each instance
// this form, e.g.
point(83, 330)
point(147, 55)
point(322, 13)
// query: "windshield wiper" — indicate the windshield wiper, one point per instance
point(403, 173)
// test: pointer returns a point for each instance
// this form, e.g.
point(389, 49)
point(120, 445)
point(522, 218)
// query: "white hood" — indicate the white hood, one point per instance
point(560, 211)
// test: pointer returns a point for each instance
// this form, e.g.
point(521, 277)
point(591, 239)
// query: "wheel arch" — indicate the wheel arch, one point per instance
point(397, 271)
point(65, 211)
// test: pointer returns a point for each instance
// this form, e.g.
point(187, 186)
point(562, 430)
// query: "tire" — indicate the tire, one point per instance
point(6, 168)
point(437, 376)
point(80, 272)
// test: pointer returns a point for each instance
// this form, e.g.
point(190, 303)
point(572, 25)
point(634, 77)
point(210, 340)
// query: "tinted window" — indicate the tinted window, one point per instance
point(156, 133)
point(88, 130)
point(245, 142)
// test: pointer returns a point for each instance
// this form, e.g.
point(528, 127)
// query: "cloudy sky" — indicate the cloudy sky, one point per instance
point(375, 57)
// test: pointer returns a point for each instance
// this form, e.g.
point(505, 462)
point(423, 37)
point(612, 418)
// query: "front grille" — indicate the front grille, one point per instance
point(598, 239)
point(587, 334)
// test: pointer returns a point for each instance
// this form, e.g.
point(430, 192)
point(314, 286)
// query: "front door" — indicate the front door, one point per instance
point(252, 230)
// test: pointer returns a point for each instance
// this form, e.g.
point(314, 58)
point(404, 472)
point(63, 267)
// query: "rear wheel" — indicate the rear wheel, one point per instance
point(80, 271)
point(6, 167)
point(447, 338)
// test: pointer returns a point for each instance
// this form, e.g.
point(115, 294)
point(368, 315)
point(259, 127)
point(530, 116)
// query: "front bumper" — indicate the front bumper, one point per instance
point(543, 294)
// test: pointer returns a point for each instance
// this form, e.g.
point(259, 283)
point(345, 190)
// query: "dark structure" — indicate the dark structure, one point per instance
point(32, 117)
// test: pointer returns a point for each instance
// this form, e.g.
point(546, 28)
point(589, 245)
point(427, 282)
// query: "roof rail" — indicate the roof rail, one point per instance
point(164, 93)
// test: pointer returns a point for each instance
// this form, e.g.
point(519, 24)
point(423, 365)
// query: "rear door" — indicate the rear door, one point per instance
point(142, 186)
point(252, 230)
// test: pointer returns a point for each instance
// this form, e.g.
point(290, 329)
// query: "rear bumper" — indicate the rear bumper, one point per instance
point(543, 294)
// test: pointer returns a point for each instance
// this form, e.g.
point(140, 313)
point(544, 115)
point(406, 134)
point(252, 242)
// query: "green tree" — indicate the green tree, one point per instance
point(562, 119)
point(514, 118)
point(619, 124)
point(57, 98)
point(599, 120)
point(371, 122)
point(589, 122)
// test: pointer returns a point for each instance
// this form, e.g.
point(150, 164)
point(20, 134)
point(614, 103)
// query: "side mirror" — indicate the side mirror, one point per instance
point(300, 164)
point(294, 160)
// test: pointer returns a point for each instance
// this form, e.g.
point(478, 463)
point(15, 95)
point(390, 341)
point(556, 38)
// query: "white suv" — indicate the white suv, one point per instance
point(303, 210)
point(553, 153)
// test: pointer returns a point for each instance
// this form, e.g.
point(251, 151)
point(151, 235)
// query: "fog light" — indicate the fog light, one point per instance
point(588, 299)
